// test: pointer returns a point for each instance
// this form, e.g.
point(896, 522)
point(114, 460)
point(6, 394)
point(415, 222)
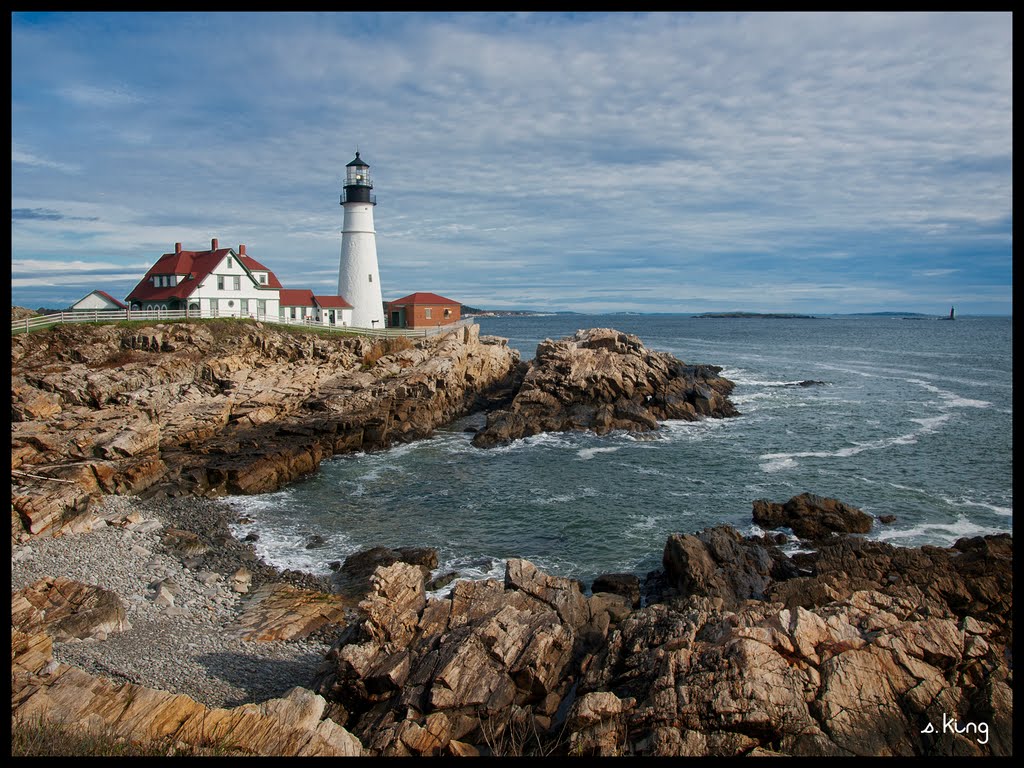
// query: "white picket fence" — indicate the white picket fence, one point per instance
point(118, 315)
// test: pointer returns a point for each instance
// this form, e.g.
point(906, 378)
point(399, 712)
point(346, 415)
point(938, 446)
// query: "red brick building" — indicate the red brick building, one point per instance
point(422, 310)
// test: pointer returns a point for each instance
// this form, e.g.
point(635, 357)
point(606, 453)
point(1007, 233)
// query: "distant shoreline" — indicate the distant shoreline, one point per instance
point(773, 315)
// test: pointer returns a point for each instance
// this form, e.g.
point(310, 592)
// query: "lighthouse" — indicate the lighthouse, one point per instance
point(358, 276)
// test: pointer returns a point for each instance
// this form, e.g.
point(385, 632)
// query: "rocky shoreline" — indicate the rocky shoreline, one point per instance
point(145, 616)
point(763, 653)
point(182, 647)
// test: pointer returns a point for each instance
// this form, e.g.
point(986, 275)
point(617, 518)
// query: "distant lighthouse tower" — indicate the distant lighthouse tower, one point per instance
point(358, 276)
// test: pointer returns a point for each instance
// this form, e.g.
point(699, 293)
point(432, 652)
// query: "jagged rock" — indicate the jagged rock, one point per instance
point(603, 380)
point(284, 612)
point(426, 677)
point(974, 578)
point(812, 517)
point(859, 677)
point(353, 576)
point(625, 584)
point(721, 563)
point(597, 724)
point(68, 610)
point(289, 726)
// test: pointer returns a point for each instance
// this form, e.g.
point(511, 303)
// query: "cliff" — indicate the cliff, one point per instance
point(221, 407)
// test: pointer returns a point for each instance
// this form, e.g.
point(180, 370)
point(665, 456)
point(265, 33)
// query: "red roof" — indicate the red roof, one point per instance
point(297, 297)
point(111, 298)
point(422, 298)
point(255, 266)
point(108, 297)
point(198, 264)
point(332, 302)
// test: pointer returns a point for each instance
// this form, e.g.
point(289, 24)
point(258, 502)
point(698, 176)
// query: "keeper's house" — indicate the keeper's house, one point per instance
point(422, 310)
point(222, 282)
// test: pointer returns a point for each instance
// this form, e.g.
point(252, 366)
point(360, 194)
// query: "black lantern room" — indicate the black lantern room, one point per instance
point(358, 183)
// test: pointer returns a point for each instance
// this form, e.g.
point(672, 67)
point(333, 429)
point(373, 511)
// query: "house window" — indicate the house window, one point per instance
point(243, 306)
point(426, 313)
point(229, 262)
point(263, 279)
point(280, 311)
point(447, 312)
point(213, 307)
point(231, 304)
point(220, 282)
point(293, 313)
point(261, 307)
point(237, 280)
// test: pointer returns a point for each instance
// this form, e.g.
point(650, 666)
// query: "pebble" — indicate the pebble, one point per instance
point(189, 645)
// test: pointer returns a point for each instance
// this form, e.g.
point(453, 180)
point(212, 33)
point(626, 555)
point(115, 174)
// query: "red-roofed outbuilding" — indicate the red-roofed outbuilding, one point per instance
point(422, 310)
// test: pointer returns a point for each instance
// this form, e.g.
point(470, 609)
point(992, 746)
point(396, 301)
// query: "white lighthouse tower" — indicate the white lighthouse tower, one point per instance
point(358, 276)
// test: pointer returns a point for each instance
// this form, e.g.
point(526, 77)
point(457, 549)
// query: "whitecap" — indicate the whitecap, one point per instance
point(1004, 511)
point(777, 461)
point(932, 423)
point(939, 534)
point(742, 399)
point(588, 453)
point(953, 400)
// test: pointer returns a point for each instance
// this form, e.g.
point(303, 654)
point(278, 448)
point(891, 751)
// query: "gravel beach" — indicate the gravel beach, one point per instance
point(188, 646)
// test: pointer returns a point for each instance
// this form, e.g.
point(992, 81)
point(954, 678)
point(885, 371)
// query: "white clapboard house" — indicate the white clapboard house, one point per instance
point(222, 282)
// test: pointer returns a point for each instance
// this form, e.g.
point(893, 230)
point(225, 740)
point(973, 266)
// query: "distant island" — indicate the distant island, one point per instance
point(775, 315)
point(468, 311)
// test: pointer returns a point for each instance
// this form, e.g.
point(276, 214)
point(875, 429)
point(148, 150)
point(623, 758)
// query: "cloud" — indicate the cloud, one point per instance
point(38, 265)
point(44, 214)
point(97, 96)
point(25, 157)
point(609, 149)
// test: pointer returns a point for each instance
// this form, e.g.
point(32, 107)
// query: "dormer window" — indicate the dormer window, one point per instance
point(263, 279)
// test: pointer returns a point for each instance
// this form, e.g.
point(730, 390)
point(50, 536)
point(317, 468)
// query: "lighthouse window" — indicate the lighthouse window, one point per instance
point(371, 277)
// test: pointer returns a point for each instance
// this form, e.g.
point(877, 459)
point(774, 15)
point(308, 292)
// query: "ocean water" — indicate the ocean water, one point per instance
point(914, 420)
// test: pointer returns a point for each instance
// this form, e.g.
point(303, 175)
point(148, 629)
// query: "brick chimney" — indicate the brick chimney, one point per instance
point(177, 247)
point(213, 244)
point(241, 249)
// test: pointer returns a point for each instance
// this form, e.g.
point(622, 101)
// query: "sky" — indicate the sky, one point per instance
point(587, 162)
